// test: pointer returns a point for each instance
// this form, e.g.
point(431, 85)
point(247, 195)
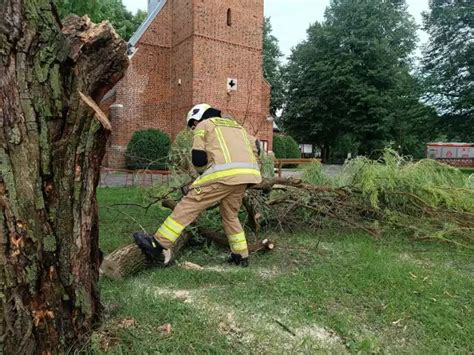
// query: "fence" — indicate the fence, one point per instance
point(280, 162)
point(125, 178)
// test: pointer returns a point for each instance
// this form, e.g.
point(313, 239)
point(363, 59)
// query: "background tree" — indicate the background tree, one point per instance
point(350, 80)
point(124, 22)
point(52, 141)
point(272, 66)
point(448, 65)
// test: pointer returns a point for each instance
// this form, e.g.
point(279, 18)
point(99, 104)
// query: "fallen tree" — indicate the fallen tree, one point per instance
point(425, 200)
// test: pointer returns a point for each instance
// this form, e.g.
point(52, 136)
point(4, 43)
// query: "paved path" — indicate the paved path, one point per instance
point(129, 179)
point(330, 170)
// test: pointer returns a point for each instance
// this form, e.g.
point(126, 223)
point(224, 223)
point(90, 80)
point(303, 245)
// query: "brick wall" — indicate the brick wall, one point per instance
point(144, 92)
point(182, 64)
point(184, 58)
point(222, 51)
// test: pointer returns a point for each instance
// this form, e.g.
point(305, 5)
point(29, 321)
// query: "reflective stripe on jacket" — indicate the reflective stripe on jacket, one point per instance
point(230, 153)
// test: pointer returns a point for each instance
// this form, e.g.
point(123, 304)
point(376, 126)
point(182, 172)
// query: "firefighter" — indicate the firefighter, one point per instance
point(225, 155)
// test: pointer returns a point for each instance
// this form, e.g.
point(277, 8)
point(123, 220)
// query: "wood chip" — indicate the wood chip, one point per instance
point(165, 329)
point(191, 266)
point(127, 323)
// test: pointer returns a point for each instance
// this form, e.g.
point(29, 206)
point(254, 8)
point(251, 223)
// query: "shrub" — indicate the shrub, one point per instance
point(148, 149)
point(285, 147)
point(292, 148)
point(279, 147)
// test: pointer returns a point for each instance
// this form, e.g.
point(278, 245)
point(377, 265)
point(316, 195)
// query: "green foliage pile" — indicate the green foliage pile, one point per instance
point(124, 22)
point(181, 165)
point(396, 183)
point(148, 149)
point(180, 152)
point(428, 199)
point(267, 163)
point(313, 174)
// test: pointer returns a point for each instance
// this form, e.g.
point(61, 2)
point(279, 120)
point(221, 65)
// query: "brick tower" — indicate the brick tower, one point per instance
point(188, 52)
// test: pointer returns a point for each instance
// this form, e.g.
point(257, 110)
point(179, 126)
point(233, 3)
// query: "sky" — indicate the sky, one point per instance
point(291, 18)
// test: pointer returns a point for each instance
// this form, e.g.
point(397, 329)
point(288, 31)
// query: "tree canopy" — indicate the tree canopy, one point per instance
point(448, 63)
point(124, 22)
point(272, 67)
point(349, 82)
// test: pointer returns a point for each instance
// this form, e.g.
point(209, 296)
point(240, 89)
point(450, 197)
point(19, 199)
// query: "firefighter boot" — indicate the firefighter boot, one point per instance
point(149, 246)
point(238, 260)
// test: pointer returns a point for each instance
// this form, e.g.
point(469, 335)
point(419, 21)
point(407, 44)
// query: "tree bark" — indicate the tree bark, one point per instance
point(52, 141)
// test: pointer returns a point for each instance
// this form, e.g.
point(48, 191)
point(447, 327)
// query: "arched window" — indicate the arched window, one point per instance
point(229, 17)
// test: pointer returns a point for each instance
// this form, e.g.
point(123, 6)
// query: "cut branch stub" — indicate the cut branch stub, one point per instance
point(99, 114)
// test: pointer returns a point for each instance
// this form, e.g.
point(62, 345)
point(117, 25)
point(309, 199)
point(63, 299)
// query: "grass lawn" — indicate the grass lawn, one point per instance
point(348, 293)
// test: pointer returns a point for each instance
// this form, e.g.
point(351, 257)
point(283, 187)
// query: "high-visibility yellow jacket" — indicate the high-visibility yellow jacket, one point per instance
point(231, 153)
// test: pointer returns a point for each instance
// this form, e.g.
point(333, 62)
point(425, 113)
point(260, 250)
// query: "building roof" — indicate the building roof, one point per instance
point(148, 21)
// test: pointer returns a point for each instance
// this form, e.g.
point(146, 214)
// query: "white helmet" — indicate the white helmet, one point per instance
point(196, 113)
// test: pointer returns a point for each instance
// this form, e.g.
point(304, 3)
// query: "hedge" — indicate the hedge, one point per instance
point(285, 147)
point(148, 149)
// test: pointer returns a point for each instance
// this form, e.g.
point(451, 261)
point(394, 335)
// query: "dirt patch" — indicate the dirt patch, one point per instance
point(218, 268)
point(269, 273)
point(182, 295)
point(254, 330)
point(229, 326)
point(322, 335)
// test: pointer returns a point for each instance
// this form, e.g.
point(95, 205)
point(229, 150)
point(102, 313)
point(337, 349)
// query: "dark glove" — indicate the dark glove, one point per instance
point(185, 189)
point(149, 246)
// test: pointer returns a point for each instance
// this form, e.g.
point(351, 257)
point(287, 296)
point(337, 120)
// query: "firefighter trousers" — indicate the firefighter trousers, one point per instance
point(199, 199)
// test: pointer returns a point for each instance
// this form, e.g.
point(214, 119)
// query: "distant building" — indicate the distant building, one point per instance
point(188, 52)
point(456, 154)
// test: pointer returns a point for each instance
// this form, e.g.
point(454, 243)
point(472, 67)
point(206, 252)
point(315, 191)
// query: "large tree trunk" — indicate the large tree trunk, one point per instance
point(52, 140)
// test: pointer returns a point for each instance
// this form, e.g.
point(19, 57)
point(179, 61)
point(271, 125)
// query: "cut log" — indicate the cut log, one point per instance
point(124, 262)
point(129, 260)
